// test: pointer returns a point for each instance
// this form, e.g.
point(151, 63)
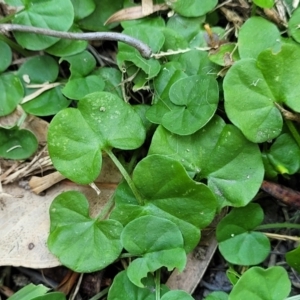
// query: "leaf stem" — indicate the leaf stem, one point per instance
point(293, 131)
point(126, 177)
point(157, 285)
point(277, 226)
point(101, 294)
point(144, 49)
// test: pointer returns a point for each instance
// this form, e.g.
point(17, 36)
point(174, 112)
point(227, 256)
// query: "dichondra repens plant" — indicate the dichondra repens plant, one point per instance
point(216, 115)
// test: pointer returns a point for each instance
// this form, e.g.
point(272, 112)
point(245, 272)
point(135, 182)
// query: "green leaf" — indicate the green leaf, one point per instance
point(177, 295)
point(192, 8)
point(252, 87)
point(83, 9)
point(50, 14)
point(173, 40)
point(51, 296)
point(163, 246)
point(284, 154)
point(29, 292)
point(103, 10)
point(195, 99)
point(48, 103)
point(259, 284)
point(170, 73)
point(217, 296)
point(197, 62)
point(186, 27)
point(238, 243)
point(129, 54)
point(77, 136)
point(39, 69)
point(17, 143)
point(264, 3)
point(219, 153)
point(66, 47)
point(6, 56)
point(292, 258)
point(78, 87)
point(112, 78)
point(225, 55)
point(123, 289)
point(168, 193)
point(71, 228)
point(11, 93)
point(263, 33)
point(293, 25)
point(81, 64)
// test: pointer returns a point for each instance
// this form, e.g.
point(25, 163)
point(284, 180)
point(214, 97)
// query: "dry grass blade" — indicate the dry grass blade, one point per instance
point(133, 13)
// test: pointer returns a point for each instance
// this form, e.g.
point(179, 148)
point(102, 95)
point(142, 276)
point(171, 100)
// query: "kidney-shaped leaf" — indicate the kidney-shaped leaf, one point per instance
point(169, 193)
point(292, 258)
point(17, 143)
point(220, 153)
point(80, 242)
point(50, 14)
point(260, 284)
point(238, 243)
point(252, 87)
point(196, 99)
point(77, 136)
point(163, 246)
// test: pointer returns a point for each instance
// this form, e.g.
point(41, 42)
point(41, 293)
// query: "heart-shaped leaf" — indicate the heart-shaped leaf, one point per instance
point(163, 246)
point(259, 284)
point(77, 88)
point(39, 69)
point(50, 14)
point(251, 89)
point(238, 243)
point(263, 33)
point(17, 143)
point(169, 193)
point(122, 288)
point(196, 99)
point(169, 74)
point(11, 93)
point(77, 136)
point(71, 228)
point(219, 153)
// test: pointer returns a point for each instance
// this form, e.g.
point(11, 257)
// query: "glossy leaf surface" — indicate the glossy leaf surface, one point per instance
point(71, 228)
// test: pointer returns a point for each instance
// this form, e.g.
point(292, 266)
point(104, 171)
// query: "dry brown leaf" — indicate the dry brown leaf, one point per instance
point(135, 12)
point(24, 222)
point(147, 7)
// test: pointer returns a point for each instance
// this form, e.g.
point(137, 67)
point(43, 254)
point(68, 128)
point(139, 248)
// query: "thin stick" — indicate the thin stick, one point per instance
point(144, 49)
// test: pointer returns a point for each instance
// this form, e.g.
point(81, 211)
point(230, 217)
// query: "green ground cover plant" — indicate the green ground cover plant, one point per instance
point(194, 126)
